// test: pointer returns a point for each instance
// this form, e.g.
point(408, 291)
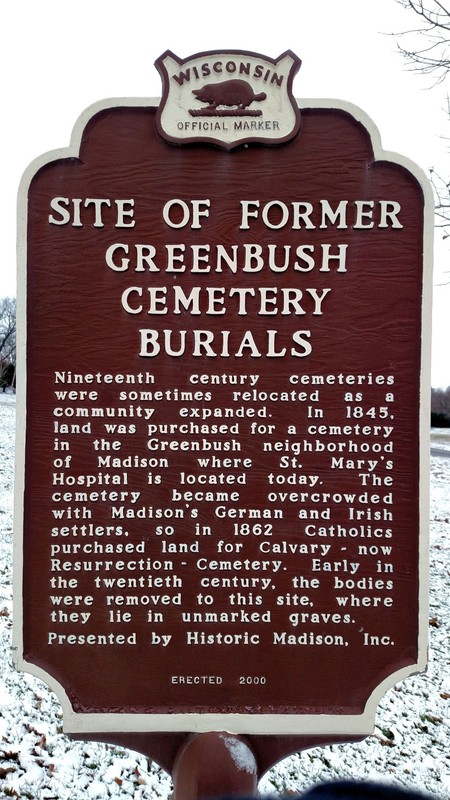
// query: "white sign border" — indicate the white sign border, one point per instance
point(276, 724)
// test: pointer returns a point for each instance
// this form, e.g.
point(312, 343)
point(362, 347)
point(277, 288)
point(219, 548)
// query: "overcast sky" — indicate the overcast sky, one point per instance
point(58, 58)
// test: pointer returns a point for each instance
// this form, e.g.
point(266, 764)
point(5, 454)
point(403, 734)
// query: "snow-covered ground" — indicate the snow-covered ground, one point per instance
point(410, 746)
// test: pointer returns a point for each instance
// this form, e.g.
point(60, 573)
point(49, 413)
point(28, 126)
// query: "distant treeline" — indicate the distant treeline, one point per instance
point(440, 408)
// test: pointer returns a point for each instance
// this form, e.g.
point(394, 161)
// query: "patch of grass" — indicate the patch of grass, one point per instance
point(440, 436)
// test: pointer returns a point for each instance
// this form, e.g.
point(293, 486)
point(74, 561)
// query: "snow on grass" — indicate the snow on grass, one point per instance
point(410, 746)
point(440, 437)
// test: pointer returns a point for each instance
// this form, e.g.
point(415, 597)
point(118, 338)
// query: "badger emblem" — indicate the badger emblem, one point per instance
point(228, 93)
point(228, 98)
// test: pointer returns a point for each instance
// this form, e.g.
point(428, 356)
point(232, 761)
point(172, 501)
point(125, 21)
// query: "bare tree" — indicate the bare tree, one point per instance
point(441, 188)
point(440, 407)
point(429, 53)
point(7, 342)
point(426, 49)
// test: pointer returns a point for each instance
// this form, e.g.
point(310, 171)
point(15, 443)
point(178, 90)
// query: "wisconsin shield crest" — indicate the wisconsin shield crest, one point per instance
point(228, 98)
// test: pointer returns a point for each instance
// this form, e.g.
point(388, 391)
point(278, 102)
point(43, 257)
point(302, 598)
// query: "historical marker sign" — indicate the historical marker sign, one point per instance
point(222, 438)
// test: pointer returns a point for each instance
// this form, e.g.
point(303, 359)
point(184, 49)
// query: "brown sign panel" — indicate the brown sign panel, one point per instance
point(222, 461)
